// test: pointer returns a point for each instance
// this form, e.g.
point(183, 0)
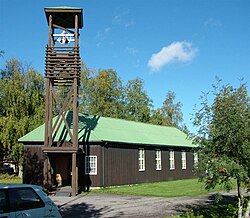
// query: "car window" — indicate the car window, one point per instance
point(3, 202)
point(24, 199)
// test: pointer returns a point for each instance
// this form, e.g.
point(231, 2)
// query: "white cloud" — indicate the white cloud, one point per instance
point(175, 52)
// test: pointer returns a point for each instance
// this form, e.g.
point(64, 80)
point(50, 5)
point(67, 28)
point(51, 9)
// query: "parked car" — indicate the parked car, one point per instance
point(26, 201)
point(7, 169)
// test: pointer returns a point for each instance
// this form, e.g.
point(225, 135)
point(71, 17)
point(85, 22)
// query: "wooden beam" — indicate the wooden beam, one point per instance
point(62, 28)
point(50, 113)
point(50, 30)
point(76, 30)
point(77, 171)
point(60, 150)
point(75, 114)
point(46, 114)
point(47, 173)
point(74, 176)
point(75, 123)
point(62, 109)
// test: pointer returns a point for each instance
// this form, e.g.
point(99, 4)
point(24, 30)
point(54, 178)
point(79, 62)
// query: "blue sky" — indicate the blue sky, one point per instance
point(178, 45)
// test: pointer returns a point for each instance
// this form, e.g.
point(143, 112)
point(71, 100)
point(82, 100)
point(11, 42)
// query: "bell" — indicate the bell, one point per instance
point(64, 40)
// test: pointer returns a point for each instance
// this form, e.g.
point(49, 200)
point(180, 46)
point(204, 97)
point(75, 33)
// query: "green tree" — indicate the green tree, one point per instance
point(157, 118)
point(21, 105)
point(223, 134)
point(86, 82)
point(101, 93)
point(137, 102)
point(170, 113)
point(12, 66)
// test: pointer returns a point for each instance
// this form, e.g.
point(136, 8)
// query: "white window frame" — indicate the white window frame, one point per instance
point(183, 160)
point(141, 159)
point(196, 158)
point(91, 165)
point(171, 160)
point(158, 159)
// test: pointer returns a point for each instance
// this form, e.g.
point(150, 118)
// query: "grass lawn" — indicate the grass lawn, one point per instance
point(10, 179)
point(177, 188)
point(188, 187)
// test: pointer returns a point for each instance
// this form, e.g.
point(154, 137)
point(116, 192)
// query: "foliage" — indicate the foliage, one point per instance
point(171, 110)
point(12, 67)
point(101, 93)
point(170, 113)
point(21, 105)
point(226, 208)
point(191, 214)
point(137, 103)
point(224, 138)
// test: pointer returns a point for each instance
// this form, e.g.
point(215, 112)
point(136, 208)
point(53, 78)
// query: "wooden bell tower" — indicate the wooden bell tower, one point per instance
point(62, 72)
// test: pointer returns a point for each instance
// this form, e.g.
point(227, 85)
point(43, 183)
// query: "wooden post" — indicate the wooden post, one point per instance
point(47, 173)
point(74, 174)
point(46, 114)
point(77, 177)
point(46, 167)
point(76, 30)
point(45, 170)
point(50, 31)
point(75, 123)
point(50, 113)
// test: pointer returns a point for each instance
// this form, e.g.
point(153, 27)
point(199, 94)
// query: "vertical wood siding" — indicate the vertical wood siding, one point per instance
point(33, 165)
point(117, 164)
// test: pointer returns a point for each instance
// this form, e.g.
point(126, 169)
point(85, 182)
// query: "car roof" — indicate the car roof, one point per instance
point(36, 188)
point(7, 186)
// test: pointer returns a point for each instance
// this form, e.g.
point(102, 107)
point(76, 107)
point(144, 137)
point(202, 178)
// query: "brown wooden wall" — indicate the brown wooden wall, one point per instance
point(117, 164)
point(33, 165)
point(87, 181)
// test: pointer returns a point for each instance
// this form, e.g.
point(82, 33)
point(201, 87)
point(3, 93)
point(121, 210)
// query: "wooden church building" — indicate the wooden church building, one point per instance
point(111, 152)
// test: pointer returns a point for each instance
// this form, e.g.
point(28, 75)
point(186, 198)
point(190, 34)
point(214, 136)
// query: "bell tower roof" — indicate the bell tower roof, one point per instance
point(65, 16)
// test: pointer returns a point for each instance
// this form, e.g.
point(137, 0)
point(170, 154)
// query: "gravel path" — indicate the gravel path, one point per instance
point(107, 205)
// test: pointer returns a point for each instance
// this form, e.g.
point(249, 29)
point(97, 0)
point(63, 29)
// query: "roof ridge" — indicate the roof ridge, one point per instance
point(138, 122)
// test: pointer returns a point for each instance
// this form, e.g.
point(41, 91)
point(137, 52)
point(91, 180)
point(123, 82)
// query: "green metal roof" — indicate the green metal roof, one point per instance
point(96, 128)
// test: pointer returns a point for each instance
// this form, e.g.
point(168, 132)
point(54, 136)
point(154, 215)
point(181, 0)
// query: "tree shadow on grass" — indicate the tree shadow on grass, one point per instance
point(226, 207)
